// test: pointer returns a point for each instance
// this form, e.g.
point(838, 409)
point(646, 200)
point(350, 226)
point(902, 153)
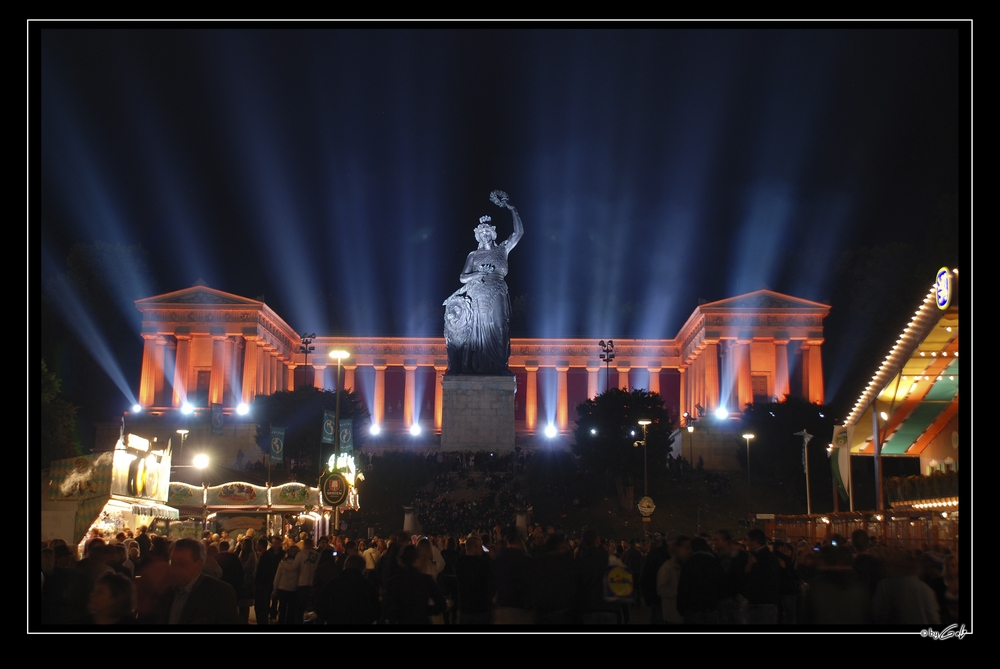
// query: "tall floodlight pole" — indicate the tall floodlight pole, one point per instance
point(305, 348)
point(339, 356)
point(645, 471)
point(805, 465)
point(607, 355)
point(748, 436)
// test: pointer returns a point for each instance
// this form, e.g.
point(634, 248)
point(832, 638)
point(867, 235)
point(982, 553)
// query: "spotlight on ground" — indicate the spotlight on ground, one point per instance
point(242, 408)
point(375, 429)
point(136, 408)
point(550, 431)
point(415, 429)
point(187, 409)
point(721, 413)
point(593, 431)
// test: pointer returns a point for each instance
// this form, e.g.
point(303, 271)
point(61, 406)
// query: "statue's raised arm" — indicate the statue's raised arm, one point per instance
point(501, 199)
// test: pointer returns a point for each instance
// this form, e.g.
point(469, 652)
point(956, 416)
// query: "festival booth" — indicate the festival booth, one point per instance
point(267, 510)
point(112, 491)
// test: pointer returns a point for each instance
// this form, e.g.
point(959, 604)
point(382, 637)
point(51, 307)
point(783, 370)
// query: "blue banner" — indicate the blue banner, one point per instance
point(217, 419)
point(347, 436)
point(328, 431)
point(277, 444)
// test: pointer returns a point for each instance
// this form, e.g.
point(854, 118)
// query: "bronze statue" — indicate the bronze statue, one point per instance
point(477, 315)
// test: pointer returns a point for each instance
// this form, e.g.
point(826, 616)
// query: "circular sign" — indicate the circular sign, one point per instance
point(841, 438)
point(619, 583)
point(345, 435)
point(276, 446)
point(646, 507)
point(942, 288)
point(334, 489)
point(328, 427)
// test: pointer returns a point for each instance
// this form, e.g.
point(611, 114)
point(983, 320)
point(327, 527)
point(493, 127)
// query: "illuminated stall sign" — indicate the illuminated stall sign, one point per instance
point(139, 472)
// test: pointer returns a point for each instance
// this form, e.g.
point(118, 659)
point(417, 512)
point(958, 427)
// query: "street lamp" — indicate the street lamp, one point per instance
point(748, 436)
point(608, 354)
point(645, 475)
point(306, 349)
point(184, 434)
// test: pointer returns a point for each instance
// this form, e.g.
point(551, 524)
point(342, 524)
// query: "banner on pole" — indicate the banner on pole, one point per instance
point(277, 444)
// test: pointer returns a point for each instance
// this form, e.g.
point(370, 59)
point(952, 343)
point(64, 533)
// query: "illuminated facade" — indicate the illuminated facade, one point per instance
point(204, 346)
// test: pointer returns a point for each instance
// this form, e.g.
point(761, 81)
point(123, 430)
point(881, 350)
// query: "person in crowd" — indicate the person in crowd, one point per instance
point(196, 598)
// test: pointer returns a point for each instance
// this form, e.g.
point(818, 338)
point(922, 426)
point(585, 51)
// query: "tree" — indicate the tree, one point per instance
point(776, 452)
point(58, 421)
point(607, 429)
point(300, 412)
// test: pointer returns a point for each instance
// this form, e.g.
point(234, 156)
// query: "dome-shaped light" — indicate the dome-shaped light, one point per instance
point(721, 413)
point(550, 431)
point(136, 408)
point(242, 408)
point(187, 409)
point(415, 429)
point(375, 429)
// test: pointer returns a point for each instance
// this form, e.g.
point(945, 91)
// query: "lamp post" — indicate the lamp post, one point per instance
point(306, 349)
point(645, 475)
point(338, 355)
point(184, 434)
point(200, 462)
point(748, 436)
point(607, 355)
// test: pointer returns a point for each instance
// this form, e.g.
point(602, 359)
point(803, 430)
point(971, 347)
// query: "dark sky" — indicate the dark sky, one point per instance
point(339, 173)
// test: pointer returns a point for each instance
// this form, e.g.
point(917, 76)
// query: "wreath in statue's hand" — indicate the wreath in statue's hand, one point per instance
point(499, 198)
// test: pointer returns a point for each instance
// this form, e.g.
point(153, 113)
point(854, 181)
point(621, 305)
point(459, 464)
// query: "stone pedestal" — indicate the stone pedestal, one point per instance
point(477, 413)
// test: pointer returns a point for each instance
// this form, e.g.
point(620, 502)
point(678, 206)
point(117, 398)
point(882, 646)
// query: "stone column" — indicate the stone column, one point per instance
point(623, 369)
point(409, 391)
point(378, 411)
point(319, 376)
point(685, 403)
point(815, 373)
point(728, 374)
point(147, 384)
point(265, 368)
point(781, 385)
point(562, 407)
point(654, 368)
point(289, 371)
point(275, 371)
point(249, 390)
point(160, 353)
point(229, 378)
point(349, 376)
point(440, 367)
point(593, 378)
point(711, 376)
point(217, 384)
point(804, 368)
point(531, 395)
point(181, 371)
point(744, 383)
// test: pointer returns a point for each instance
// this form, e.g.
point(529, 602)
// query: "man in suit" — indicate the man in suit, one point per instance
point(198, 599)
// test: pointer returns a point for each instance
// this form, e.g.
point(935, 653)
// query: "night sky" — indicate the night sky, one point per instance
point(340, 173)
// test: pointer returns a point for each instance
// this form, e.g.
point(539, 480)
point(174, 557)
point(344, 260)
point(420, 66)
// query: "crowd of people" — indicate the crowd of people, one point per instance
point(496, 576)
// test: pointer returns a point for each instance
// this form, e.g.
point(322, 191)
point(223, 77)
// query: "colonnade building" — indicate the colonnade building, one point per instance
point(204, 347)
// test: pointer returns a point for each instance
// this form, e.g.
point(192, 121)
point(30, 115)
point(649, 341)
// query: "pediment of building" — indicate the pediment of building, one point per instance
point(763, 299)
point(197, 295)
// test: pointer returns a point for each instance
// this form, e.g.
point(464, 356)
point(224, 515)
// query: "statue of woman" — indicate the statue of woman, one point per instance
point(477, 315)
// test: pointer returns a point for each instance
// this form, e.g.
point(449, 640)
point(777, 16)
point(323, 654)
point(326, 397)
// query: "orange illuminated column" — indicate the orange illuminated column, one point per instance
point(181, 369)
point(562, 407)
point(744, 383)
point(531, 395)
point(728, 374)
point(593, 370)
point(276, 365)
point(815, 373)
point(781, 385)
point(378, 411)
point(319, 379)
point(217, 383)
point(623, 369)
point(710, 378)
point(654, 378)
point(159, 361)
point(147, 384)
point(265, 369)
point(684, 402)
point(349, 375)
point(249, 389)
point(804, 368)
point(409, 391)
point(440, 367)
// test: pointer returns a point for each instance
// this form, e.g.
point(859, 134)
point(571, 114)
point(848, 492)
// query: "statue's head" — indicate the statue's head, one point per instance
point(485, 233)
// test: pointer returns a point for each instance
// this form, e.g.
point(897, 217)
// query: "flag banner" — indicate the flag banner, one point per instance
point(840, 459)
point(347, 436)
point(217, 419)
point(329, 434)
point(277, 444)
